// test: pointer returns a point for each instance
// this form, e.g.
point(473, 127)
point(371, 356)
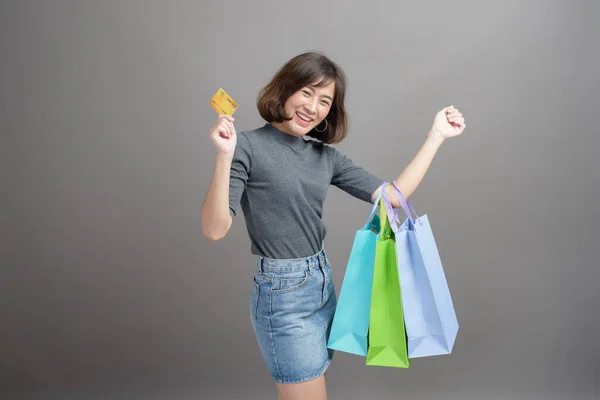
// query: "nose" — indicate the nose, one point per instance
point(311, 106)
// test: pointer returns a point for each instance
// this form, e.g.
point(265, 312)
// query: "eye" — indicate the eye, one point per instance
point(306, 93)
point(325, 102)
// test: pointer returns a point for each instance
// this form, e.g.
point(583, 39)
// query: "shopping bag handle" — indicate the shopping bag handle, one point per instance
point(406, 206)
point(375, 204)
point(386, 230)
point(406, 203)
point(392, 214)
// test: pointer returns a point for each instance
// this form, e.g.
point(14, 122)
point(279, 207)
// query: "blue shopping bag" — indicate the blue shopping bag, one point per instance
point(350, 324)
point(429, 315)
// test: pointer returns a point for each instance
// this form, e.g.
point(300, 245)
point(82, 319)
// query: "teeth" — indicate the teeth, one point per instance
point(303, 117)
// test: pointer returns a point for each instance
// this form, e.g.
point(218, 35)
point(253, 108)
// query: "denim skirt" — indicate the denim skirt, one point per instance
point(291, 309)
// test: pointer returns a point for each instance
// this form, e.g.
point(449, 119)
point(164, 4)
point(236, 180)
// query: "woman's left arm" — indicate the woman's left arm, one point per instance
point(448, 123)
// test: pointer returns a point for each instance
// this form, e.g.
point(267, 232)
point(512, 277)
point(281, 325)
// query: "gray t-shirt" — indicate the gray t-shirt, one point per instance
point(281, 181)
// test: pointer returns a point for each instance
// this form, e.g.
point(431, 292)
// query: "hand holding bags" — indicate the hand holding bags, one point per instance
point(394, 303)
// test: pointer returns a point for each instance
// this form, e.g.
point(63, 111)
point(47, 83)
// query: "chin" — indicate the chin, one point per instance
point(301, 130)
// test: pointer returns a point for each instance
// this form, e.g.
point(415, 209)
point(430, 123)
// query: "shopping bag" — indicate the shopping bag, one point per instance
point(350, 323)
point(429, 315)
point(387, 336)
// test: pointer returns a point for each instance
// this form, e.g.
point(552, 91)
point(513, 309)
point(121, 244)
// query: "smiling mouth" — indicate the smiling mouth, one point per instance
point(304, 117)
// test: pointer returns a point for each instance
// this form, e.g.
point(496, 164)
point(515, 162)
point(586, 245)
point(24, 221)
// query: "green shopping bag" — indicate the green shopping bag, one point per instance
point(387, 335)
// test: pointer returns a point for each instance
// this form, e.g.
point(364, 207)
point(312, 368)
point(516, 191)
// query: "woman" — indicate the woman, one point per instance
point(280, 178)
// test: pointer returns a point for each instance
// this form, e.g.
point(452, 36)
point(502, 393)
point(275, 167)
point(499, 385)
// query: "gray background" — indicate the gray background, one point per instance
point(108, 288)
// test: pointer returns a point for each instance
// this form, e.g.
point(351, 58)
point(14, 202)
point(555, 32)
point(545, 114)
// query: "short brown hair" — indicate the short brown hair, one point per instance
point(306, 69)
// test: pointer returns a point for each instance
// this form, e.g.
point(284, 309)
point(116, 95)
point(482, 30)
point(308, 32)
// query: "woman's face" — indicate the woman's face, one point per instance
point(308, 107)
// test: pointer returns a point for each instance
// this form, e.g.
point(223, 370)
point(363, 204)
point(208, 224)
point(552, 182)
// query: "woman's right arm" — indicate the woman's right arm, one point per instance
point(215, 216)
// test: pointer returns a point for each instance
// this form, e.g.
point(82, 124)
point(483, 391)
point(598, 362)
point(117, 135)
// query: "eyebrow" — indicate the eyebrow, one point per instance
point(311, 87)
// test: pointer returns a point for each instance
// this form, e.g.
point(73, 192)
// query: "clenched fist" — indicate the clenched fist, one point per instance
point(223, 134)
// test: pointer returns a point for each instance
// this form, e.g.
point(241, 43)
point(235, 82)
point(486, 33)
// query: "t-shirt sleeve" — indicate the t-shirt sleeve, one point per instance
point(240, 171)
point(352, 178)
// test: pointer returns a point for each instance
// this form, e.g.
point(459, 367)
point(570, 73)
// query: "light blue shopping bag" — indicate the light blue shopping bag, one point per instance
point(429, 315)
point(350, 323)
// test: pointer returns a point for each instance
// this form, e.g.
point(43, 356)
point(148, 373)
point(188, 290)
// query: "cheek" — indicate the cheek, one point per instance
point(288, 109)
point(291, 105)
point(323, 111)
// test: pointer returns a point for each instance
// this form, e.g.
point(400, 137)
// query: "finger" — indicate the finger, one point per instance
point(449, 109)
point(224, 129)
point(226, 117)
point(230, 127)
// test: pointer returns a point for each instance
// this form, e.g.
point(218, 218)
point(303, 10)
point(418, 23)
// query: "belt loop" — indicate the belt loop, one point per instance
point(259, 264)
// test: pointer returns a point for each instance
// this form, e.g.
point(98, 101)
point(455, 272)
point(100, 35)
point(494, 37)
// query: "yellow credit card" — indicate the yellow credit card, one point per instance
point(223, 103)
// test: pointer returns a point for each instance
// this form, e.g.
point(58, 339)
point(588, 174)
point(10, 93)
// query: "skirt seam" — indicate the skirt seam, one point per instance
point(271, 333)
